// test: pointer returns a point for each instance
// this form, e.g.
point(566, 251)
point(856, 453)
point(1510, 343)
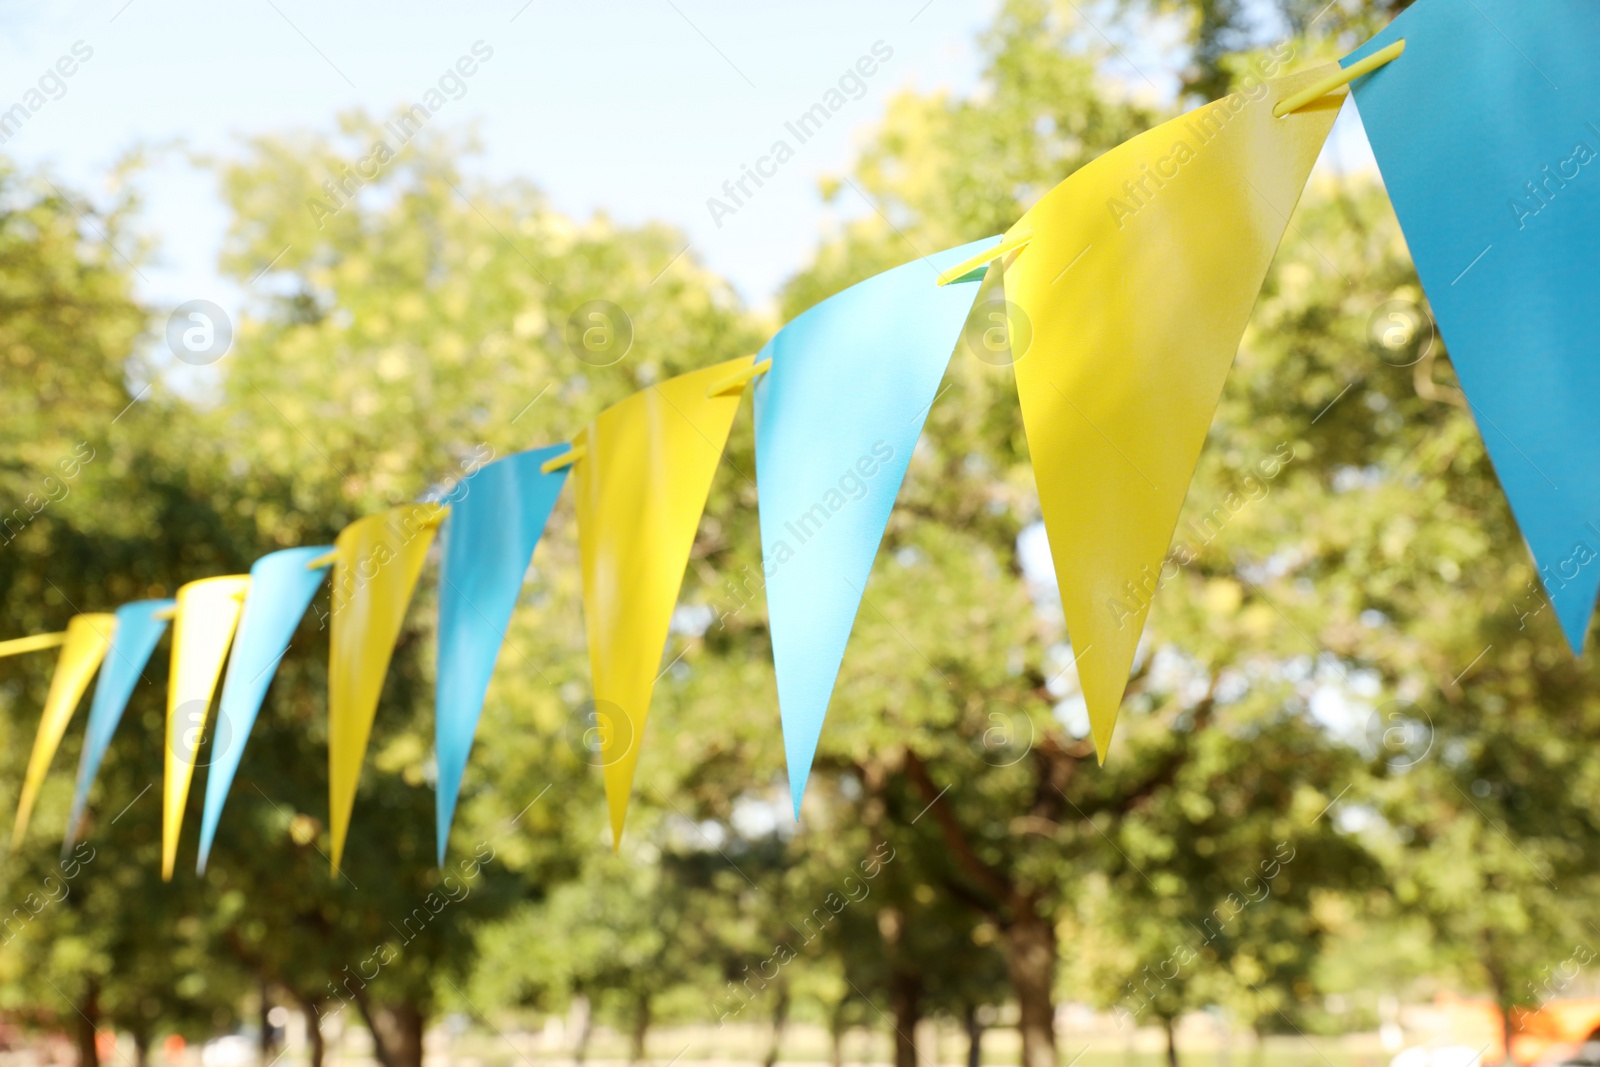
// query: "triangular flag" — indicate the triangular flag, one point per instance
point(138, 627)
point(1137, 286)
point(208, 611)
point(837, 416)
point(281, 587)
point(377, 561)
point(641, 484)
point(1487, 133)
point(88, 637)
point(496, 516)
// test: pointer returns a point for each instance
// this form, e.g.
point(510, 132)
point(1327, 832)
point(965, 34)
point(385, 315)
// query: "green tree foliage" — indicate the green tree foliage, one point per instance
point(1352, 714)
point(1345, 552)
point(389, 351)
point(1219, 35)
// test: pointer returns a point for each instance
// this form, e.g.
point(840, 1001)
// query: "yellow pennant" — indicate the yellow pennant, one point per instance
point(208, 612)
point(88, 637)
point(641, 485)
point(1137, 284)
point(377, 561)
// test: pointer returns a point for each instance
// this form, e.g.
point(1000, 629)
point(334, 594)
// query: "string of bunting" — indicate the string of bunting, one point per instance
point(1127, 287)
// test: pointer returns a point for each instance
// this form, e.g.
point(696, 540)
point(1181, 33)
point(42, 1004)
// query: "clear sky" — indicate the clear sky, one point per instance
point(640, 107)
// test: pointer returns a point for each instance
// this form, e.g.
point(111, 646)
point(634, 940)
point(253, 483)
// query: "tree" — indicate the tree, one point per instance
point(928, 683)
point(1220, 34)
point(436, 311)
point(286, 441)
point(1348, 682)
point(89, 935)
point(1310, 594)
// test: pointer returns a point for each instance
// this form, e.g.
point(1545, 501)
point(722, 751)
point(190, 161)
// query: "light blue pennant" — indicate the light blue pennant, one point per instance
point(497, 514)
point(281, 588)
point(837, 416)
point(139, 627)
point(1487, 132)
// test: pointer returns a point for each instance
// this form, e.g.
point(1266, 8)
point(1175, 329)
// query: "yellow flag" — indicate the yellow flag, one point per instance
point(1137, 286)
point(208, 612)
point(641, 485)
point(88, 637)
point(377, 561)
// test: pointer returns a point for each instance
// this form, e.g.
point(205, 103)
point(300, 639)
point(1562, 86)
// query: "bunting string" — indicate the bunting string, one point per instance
point(1119, 298)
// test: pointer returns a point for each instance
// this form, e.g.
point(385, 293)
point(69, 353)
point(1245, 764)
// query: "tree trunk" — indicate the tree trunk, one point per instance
point(265, 1048)
point(88, 1014)
point(1507, 1027)
point(905, 984)
point(141, 1048)
point(1502, 996)
point(1030, 952)
point(641, 1028)
point(836, 1032)
point(585, 1031)
point(1172, 1041)
point(974, 1036)
point(905, 1001)
point(396, 1031)
point(312, 1009)
point(780, 1016)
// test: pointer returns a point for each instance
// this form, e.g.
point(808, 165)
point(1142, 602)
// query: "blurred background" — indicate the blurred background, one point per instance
point(1348, 818)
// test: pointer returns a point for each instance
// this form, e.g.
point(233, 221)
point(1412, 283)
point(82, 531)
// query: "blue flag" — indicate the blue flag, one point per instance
point(1487, 131)
point(837, 416)
point(139, 626)
point(281, 588)
point(497, 514)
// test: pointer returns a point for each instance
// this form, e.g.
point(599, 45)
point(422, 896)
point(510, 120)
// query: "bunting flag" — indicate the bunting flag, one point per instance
point(497, 514)
point(1487, 132)
point(1137, 283)
point(1125, 292)
point(281, 587)
point(88, 637)
point(641, 484)
point(208, 611)
point(837, 416)
point(377, 561)
point(138, 628)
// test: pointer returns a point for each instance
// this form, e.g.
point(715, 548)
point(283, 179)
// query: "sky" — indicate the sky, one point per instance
point(642, 108)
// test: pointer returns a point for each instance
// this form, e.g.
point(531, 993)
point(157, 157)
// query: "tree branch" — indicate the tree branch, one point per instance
point(955, 837)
